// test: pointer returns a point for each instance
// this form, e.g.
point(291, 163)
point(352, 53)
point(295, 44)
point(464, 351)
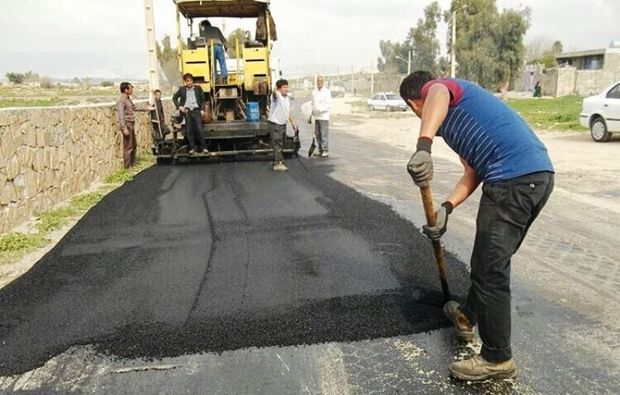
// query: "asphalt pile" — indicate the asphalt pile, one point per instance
point(215, 257)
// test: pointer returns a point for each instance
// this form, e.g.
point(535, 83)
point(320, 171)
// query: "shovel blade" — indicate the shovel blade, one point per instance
point(312, 148)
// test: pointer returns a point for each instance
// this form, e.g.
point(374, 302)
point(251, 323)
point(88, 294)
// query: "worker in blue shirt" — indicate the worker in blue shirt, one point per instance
point(497, 148)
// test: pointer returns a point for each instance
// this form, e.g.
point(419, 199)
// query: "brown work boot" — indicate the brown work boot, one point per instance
point(464, 328)
point(280, 166)
point(477, 368)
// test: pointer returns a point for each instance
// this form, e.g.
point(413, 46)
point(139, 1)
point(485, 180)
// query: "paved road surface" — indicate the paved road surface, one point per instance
point(228, 278)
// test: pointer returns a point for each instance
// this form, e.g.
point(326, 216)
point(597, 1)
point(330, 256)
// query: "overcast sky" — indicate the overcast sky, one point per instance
point(106, 38)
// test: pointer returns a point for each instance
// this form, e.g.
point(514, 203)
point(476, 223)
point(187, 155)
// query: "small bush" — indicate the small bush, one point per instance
point(15, 241)
point(107, 83)
point(85, 201)
point(54, 219)
point(16, 78)
point(45, 83)
point(119, 177)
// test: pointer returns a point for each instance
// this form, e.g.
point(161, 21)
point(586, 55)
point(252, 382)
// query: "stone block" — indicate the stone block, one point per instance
point(40, 137)
point(7, 194)
point(8, 145)
point(24, 156)
point(30, 138)
point(38, 162)
point(12, 168)
point(31, 187)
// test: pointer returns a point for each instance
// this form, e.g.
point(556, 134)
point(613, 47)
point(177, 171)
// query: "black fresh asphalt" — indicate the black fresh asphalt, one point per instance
point(212, 257)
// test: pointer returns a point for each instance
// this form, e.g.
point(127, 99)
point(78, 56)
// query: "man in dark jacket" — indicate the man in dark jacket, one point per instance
point(189, 100)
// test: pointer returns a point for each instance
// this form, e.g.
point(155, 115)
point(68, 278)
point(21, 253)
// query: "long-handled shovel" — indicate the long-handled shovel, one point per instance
point(313, 145)
point(429, 211)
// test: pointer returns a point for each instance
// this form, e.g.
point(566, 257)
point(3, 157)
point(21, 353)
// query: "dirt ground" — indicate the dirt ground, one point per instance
point(587, 170)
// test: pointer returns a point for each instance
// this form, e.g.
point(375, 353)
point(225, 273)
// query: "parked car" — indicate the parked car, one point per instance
point(601, 113)
point(386, 101)
point(337, 90)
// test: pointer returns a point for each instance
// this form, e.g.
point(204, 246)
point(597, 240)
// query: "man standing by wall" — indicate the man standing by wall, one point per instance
point(125, 117)
point(279, 114)
point(189, 99)
point(159, 129)
point(321, 105)
point(497, 148)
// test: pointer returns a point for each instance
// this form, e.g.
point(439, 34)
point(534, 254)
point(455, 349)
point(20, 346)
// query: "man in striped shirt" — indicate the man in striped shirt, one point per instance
point(499, 149)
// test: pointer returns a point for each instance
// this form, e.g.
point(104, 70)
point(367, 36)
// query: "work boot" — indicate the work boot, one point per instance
point(477, 368)
point(464, 328)
point(280, 166)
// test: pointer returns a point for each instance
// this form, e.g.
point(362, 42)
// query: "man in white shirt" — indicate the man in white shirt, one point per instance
point(279, 114)
point(321, 105)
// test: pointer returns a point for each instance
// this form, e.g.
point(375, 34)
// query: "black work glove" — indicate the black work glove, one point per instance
point(420, 166)
point(441, 222)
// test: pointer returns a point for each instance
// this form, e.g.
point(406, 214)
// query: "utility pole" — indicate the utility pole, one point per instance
point(151, 49)
point(409, 64)
point(351, 78)
point(453, 57)
point(372, 78)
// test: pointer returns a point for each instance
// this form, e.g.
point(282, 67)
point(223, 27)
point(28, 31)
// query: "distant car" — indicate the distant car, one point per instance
point(601, 113)
point(337, 91)
point(386, 101)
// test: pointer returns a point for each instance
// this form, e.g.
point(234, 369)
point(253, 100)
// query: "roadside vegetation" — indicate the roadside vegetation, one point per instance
point(550, 113)
point(69, 94)
point(14, 245)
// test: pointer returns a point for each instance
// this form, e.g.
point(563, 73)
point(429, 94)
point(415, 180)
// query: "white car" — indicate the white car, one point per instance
point(387, 101)
point(601, 113)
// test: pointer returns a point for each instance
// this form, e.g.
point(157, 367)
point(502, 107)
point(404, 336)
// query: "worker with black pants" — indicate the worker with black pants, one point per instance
point(499, 149)
point(189, 100)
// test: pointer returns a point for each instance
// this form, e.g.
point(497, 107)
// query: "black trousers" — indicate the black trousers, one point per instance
point(193, 129)
point(507, 210)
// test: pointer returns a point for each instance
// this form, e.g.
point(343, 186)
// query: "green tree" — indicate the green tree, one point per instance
point(489, 44)
point(232, 38)
point(543, 52)
point(423, 40)
point(168, 59)
point(16, 78)
point(508, 32)
point(388, 61)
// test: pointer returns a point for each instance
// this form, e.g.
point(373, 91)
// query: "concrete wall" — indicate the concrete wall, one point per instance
point(562, 81)
point(48, 155)
point(565, 81)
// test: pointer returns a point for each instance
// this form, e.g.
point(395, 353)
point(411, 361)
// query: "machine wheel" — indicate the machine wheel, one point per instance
point(598, 130)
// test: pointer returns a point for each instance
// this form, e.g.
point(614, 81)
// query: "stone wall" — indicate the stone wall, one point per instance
point(48, 155)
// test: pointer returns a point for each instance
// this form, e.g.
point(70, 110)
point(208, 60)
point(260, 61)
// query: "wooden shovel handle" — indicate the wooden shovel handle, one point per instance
point(429, 211)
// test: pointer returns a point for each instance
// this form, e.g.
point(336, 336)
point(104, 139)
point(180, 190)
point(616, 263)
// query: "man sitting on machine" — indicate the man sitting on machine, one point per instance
point(212, 33)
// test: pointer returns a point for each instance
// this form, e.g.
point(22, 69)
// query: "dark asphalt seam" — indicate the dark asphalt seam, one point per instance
point(236, 187)
point(214, 239)
point(247, 271)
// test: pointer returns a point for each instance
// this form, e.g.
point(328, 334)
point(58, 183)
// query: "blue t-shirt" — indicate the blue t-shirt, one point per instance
point(489, 135)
